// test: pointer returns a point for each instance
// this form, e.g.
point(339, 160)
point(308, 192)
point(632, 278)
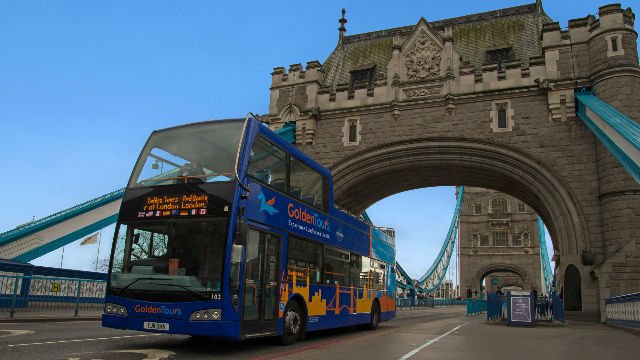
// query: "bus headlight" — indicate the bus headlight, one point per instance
point(206, 314)
point(115, 309)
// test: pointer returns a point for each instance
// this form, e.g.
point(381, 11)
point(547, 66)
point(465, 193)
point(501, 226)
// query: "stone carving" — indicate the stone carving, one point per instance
point(423, 60)
point(423, 91)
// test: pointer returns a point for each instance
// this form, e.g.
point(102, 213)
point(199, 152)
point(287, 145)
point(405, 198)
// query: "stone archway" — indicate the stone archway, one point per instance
point(380, 171)
point(485, 271)
point(572, 289)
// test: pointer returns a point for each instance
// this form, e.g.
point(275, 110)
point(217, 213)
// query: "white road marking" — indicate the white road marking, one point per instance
point(78, 340)
point(415, 351)
point(152, 354)
point(16, 333)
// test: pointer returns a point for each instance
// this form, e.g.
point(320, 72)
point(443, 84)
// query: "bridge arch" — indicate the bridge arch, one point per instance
point(487, 270)
point(372, 174)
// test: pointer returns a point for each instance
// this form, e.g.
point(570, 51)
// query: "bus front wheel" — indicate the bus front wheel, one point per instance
point(293, 323)
point(375, 316)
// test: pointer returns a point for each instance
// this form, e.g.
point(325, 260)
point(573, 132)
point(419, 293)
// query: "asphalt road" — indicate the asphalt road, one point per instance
point(444, 333)
point(80, 340)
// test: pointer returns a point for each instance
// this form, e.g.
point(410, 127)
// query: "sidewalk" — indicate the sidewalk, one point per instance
point(40, 316)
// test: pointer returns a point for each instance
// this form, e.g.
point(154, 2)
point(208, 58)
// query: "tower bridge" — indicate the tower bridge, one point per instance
point(503, 100)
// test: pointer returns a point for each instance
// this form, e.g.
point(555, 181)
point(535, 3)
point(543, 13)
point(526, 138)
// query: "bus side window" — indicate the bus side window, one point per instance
point(336, 266)
point(307, 184)
point(354, 270)
point(268, 164)
point(304, 260)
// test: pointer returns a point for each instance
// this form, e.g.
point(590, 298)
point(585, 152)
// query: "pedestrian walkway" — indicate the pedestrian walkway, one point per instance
point(35, 316)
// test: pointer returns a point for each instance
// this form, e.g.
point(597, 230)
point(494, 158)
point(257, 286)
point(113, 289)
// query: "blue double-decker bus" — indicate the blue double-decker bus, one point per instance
point(226, 230)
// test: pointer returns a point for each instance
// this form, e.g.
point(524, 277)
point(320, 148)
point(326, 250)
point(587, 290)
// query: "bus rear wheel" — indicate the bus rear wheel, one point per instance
point(293, 323)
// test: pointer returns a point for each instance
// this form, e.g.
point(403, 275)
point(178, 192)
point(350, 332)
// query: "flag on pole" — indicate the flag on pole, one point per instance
point(92, 239)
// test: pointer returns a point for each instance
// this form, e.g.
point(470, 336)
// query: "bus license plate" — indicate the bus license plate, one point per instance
point(156, 326)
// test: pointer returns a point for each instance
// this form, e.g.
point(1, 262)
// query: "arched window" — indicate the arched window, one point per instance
point(521, 207)
point(499, 205)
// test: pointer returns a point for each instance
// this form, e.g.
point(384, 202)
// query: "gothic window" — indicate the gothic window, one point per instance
point(353, 128)
point(502, 116)
point(351, 131)
point(614, 45)
point(499, 205)
point(484, 240)
point(475, 239)
point(499, 238)
point(358, 76)
point(521, 207)
point(499, 57)
point(516, 240)
point(477, 208)
point(526, 238)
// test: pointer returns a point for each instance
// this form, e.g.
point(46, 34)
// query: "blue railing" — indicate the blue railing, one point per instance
point(476, 306)
point(496, 307)
point(425, 303)
point(623, 310)
point(50, 294)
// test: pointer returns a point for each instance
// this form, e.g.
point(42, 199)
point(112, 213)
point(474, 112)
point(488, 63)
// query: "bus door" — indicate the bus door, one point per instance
point(262, 261)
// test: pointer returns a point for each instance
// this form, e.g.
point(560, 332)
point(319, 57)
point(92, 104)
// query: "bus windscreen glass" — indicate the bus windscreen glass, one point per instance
point(198, 153)
point(183, 260)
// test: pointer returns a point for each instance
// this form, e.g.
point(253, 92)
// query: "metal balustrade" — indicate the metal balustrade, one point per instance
point(476, 306)
point(623, 310)
point(50, 294)
point(427, 303)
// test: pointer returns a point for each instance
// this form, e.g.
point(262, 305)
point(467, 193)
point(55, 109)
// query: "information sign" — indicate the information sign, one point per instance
point(521, 309)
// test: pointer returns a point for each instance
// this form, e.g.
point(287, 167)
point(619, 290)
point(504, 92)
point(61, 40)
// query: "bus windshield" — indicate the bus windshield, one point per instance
point(199, 153)
point(180, 256)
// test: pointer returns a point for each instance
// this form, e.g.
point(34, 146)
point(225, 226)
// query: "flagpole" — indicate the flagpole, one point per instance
point(98, 254)
point(62, 259)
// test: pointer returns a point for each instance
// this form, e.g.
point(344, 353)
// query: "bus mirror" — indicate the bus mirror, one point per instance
point(241, 234)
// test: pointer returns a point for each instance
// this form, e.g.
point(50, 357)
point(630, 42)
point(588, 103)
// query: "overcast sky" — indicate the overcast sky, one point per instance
point(85, 82)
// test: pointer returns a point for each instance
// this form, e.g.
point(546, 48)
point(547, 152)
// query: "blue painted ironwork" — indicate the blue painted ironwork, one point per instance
point(476, 306)
point(547, 273)
point(54, 219)
point(496, 306)
point(623, 310)
point(628, 129)
point(288, 132)
point(429, 302)
point(557, 307)
point(436, 273)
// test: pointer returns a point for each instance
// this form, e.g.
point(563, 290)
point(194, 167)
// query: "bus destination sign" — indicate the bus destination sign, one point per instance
point(174, 205)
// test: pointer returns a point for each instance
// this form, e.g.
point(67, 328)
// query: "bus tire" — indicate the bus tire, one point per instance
point(375, 316)
point(293, 323)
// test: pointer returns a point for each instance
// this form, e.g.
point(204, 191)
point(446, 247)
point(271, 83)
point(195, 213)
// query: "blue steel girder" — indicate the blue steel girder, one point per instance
point(547, 272)
point(619, 134)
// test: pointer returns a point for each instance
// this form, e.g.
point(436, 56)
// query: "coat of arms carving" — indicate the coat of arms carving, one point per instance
point(423, 60)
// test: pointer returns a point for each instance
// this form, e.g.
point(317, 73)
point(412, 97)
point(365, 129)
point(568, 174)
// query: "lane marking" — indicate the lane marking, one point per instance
point(415, 351)
point(79, 340)
point(16, 333)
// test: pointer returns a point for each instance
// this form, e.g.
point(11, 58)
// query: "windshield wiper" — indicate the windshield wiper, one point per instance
point(135, 281)
point(203, 296)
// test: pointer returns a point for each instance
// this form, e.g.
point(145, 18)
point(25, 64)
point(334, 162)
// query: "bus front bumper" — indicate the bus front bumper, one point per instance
point(222, 329)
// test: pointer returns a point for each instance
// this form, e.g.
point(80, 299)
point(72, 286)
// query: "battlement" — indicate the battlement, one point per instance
point(610, 18)
point(296, 74)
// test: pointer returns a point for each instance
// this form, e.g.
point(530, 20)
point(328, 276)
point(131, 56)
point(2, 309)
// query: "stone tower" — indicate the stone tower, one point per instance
point(498, 242)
